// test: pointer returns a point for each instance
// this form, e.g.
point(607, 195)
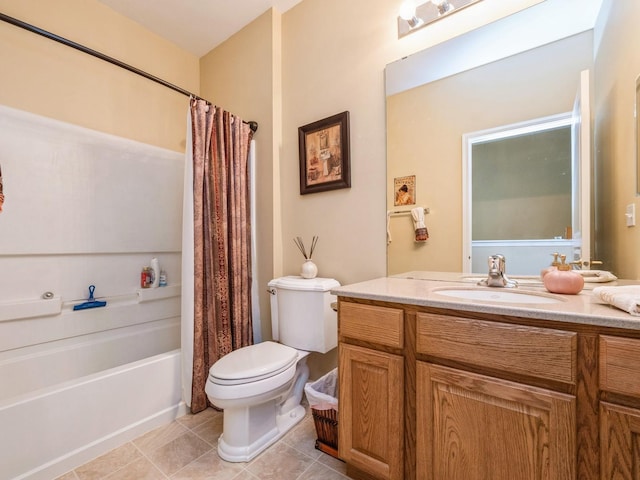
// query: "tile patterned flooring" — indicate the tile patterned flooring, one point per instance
point(187, 450)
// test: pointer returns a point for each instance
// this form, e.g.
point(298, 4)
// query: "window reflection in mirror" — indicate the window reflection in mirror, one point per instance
point(521, 187)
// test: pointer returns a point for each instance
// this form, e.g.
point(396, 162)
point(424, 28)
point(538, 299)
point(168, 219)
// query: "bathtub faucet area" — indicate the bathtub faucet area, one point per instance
point(497, 276)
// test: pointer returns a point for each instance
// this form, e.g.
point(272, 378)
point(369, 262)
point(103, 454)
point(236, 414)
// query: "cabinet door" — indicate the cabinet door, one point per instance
point(474, 427)
point(619, 442)
point(370, 424)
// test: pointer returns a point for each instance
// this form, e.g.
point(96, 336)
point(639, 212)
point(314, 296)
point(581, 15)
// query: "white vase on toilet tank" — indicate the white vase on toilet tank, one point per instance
point(260, 387)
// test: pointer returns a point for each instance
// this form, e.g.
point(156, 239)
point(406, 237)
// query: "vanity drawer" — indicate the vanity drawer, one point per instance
point(369, 323)
point(620, 365)
point(539, 352)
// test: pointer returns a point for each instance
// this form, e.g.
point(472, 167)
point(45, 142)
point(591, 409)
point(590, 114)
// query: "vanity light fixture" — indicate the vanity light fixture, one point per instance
point(415, 14)
point(408, 14)
point(443, 6)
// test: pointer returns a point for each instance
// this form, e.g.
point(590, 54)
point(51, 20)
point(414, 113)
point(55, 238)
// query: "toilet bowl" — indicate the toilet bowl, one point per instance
point(260, 387)
point(251, 385)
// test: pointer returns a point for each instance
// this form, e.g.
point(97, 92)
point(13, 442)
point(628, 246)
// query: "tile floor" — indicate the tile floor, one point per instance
point(187, 450)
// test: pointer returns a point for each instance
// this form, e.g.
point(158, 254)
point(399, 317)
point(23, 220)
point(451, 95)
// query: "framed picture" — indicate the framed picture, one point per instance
point(404, 190)
point(324, 154)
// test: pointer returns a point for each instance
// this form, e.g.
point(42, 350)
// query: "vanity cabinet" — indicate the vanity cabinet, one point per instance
point(371, 391)
point(474, 426)
point(428, 393)
point(619, 379)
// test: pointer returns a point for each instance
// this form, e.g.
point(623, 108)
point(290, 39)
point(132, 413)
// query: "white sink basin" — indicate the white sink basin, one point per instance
point(499, 295)
point(522, 280)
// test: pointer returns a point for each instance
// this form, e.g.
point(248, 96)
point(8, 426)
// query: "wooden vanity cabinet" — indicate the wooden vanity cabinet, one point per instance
point(434, 394)
point(371, 391)
point(619, 368)
point(473, 426)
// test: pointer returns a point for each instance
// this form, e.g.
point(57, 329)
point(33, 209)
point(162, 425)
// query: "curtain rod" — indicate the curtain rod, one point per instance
point(52, 36)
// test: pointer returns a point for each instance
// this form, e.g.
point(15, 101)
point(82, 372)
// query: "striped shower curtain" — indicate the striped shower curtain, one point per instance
point(216, 274)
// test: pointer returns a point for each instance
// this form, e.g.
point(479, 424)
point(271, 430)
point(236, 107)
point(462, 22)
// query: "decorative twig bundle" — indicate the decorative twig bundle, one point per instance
point(300, 244)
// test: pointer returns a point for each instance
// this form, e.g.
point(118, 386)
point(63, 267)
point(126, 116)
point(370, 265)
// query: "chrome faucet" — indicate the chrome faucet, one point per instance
point(497, 276)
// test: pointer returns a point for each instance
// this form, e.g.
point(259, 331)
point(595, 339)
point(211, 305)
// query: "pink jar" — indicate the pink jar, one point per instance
point(563, 280)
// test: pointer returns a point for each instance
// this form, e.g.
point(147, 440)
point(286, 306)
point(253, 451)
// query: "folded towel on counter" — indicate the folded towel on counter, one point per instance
point(625, 298)
point(422, 235)
point(596, 276)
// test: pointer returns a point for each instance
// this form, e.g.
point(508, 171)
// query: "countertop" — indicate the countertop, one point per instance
point(421, 288)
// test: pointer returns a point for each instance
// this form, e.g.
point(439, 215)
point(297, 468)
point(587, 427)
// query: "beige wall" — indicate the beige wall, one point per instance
point(329, 63)
point(617, 67)
point(243, 76)
point(320, 58)
point(53, 80)
point(334, 53)
point(426, 125)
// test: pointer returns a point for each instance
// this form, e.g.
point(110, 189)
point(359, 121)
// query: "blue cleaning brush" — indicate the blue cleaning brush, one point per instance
point(91, 302)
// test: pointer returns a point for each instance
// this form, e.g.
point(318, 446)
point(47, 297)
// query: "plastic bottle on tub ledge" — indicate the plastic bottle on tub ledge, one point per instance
point(155, 272)
point(163, 279)
point(145, 277)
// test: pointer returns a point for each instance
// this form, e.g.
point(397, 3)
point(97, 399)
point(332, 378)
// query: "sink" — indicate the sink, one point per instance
point(522, 280)
point(499, 295)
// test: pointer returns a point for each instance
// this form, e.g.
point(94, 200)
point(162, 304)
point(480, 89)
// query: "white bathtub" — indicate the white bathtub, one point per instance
point(65, 401)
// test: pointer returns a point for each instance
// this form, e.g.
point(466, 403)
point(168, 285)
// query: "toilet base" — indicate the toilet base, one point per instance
point(250, 427)
point(283, 423)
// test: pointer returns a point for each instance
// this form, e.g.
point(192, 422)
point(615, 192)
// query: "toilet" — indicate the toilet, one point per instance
point(260, 387)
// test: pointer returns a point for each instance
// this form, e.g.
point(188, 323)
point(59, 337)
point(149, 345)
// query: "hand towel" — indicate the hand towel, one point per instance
point(596, 276)
point(625, 298)
point(418, 222)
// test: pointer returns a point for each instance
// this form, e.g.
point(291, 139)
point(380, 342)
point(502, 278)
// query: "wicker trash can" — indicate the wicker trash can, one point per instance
point(326, 422)
point(322, 396)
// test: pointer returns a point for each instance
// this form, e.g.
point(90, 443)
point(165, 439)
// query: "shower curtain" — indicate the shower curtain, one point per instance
point(216, 244)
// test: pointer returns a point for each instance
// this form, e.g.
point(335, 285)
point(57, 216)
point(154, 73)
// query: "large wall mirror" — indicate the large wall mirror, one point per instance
point(429, 127)
point(637, 118)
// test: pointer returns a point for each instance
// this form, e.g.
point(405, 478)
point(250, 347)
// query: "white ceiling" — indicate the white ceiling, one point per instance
point(196, 25)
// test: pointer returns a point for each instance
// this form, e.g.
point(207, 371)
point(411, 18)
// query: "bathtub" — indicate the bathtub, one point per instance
point(91, 388)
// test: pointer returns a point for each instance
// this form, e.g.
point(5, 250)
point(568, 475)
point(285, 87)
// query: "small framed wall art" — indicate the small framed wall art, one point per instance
point(404, 190)
point(324, 154)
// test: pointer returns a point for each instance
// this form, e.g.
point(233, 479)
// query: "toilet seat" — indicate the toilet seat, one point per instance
point(253, 363)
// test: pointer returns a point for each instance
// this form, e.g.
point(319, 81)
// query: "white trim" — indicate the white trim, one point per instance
point(521, 128)
point(526, 243)
point(255, 287)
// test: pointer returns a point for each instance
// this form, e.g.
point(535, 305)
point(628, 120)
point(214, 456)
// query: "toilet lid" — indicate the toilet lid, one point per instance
point(252, 363)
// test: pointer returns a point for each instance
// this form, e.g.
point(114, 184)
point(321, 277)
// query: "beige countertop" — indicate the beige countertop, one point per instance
point(422, 288)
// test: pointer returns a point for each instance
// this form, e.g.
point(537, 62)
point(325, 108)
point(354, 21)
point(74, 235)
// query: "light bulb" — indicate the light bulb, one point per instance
point(443, 6)
point(407, 10)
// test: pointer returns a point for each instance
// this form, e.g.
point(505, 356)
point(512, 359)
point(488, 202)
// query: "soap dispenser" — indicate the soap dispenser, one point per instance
point(553, 266)
point(563, 279)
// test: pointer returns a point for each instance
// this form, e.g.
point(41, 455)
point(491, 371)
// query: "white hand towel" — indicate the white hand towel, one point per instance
point(596, 276)
point(625, 298)
point(422, 235)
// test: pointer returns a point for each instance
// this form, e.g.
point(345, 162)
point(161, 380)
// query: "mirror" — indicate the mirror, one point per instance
point(425, 129)
point(637, 133)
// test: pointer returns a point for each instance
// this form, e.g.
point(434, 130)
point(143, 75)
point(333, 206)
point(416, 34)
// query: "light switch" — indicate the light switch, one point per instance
point(630, 215)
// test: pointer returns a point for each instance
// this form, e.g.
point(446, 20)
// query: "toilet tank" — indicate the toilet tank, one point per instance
point(301, 313)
